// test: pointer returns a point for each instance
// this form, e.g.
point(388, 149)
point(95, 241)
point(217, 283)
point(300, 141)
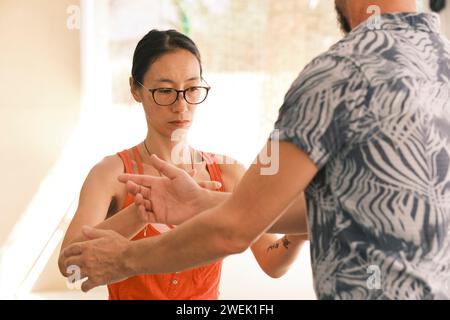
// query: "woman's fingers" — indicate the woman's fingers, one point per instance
point(210, 185)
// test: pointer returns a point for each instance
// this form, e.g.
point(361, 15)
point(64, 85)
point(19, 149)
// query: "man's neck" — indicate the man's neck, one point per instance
point(358, 11)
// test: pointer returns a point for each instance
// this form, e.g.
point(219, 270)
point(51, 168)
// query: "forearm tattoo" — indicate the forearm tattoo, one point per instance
point(284, 241)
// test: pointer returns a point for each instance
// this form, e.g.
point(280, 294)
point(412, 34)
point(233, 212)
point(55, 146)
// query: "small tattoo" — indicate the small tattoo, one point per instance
point(276, 245)
point(273, 247)
point(286, 243)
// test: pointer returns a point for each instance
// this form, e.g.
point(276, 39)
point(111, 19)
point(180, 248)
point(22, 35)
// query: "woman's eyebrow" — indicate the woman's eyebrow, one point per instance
point(164, 80)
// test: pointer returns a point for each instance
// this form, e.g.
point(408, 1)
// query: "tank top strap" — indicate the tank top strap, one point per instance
point(128, 168)
point(138, 159)
point(213, 168)
point(126, 159)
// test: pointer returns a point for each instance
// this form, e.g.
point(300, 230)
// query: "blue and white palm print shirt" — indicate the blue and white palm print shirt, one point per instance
point(373, 113)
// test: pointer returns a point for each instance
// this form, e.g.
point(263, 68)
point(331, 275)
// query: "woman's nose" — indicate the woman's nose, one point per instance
point(181, 104)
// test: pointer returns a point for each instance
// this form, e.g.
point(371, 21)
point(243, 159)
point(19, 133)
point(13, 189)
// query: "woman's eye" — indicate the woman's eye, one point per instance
point(165, 91)
point(193, 89)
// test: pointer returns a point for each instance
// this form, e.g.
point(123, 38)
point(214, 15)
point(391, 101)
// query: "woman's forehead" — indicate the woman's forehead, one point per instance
point(177, 66)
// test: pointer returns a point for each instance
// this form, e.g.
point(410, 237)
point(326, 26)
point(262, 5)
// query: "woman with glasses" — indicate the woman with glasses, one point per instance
point(167, 81)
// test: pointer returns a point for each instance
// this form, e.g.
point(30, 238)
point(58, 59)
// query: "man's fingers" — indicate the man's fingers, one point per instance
point(74, 264)
point(146, 192)
point(73, 250)
point(139, 199)
point(144, 208)
point(148, 205)
point(133, 188)
point(88, 285)
point(167, 169)
point(93, 233)
point(210, 185)
point(148, 216)
point(83, 274)
point(76, 275)
point(142, 180)
point(192, 172)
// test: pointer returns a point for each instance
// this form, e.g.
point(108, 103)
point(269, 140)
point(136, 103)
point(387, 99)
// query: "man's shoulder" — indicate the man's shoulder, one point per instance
point(346, 52)
point(330, 69)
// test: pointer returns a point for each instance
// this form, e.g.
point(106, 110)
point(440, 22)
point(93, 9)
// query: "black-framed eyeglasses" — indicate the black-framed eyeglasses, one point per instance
point(168, 96)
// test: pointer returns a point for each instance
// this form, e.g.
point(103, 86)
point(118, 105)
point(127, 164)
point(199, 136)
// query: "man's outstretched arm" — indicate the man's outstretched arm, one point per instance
point(232, 226)
point(177, 199)
point(227, 229)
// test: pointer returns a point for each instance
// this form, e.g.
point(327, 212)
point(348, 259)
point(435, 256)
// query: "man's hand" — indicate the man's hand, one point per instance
point(103, 259)
point(172, 199)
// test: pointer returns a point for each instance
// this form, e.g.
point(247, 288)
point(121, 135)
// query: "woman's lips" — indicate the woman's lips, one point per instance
point(180, 123)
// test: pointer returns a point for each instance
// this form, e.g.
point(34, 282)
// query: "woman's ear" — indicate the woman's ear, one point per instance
point(135, 91)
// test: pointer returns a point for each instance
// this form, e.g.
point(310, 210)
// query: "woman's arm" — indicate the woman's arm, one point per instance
point(294, 221)
point(95, 199)
point(275, 256)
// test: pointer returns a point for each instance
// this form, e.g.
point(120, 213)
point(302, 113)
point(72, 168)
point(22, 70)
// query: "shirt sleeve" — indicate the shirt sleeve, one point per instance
point(321, 110)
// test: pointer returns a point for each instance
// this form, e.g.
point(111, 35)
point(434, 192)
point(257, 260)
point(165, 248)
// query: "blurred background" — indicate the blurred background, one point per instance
point(64, 69)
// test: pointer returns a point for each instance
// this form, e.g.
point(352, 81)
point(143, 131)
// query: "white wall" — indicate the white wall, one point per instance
point(39, 103)
point(40, 100)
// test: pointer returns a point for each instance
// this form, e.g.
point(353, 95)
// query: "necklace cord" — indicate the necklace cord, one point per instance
point(150, 154)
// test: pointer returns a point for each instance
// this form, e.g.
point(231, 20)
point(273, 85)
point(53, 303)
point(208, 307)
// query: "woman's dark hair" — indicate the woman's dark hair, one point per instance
point(154, 45)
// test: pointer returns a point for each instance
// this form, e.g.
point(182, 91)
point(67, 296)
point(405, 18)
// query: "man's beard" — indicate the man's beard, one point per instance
point(343, 21)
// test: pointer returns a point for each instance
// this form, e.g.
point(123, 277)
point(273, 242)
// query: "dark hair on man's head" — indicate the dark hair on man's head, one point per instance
point(155, 44)
point(437, 5)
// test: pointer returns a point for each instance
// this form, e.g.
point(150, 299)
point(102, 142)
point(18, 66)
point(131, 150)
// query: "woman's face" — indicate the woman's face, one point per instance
point(178, 70)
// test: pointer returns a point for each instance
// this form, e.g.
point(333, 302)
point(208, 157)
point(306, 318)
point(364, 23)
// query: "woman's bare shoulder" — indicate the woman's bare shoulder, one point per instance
point(108, 169)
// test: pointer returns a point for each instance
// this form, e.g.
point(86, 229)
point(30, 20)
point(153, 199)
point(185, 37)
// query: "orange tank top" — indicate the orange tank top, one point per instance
point(197, 284)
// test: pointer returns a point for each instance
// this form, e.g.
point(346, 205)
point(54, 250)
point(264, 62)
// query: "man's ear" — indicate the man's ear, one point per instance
point(135, 91)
